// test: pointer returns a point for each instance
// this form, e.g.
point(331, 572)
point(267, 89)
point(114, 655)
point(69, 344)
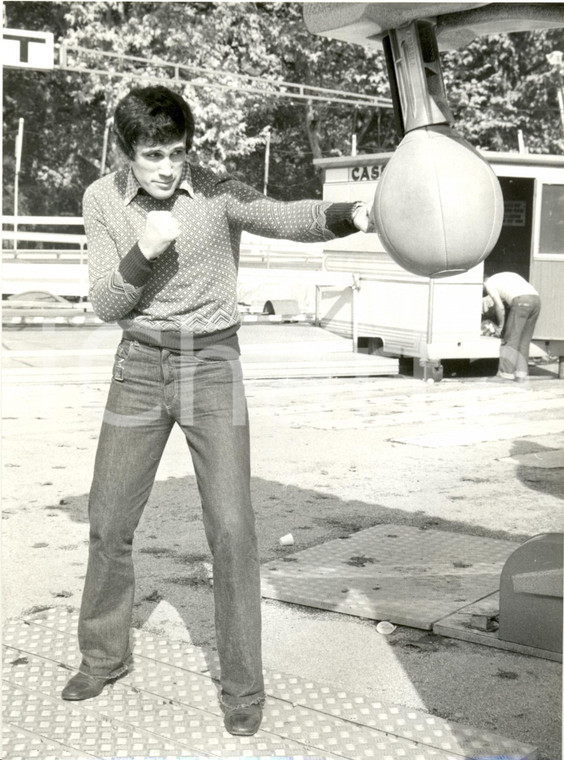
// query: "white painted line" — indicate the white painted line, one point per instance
point(546, 459)
point(330, 345)
point(482, 435)
point(54, 352)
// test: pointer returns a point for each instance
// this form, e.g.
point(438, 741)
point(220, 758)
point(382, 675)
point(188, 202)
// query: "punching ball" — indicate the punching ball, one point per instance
point(438, 207)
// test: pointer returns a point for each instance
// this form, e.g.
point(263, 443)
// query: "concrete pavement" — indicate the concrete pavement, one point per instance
point(331, 457)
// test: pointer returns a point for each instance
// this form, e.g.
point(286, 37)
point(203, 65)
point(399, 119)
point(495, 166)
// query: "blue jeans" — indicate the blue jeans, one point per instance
point(151, 390)
point(517, 334)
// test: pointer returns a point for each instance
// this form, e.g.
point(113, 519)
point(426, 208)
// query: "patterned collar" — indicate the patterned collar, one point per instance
point(132, 185)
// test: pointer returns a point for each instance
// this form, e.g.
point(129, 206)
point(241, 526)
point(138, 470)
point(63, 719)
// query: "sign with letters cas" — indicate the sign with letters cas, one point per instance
point(28, 50)
point(365, 173)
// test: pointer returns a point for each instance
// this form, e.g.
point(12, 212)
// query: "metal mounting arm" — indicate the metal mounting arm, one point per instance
point(415, 75)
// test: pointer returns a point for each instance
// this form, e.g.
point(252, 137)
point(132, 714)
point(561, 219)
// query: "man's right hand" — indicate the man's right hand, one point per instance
point(161, 229)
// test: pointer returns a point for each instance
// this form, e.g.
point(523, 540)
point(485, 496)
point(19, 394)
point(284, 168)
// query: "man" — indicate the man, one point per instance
point(523, 302)
point(163, 249)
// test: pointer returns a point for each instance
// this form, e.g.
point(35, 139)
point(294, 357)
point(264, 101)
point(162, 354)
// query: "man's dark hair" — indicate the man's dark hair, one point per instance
point(152, 115)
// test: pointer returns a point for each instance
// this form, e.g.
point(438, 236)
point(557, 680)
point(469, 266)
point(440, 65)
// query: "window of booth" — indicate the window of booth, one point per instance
point(552, 220)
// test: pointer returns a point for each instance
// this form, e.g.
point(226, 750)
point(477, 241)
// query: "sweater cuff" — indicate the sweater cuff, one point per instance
point(339, 218)
point(135, 268)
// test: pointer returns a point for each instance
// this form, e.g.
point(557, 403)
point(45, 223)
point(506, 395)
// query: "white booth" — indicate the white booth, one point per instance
point(401, 314)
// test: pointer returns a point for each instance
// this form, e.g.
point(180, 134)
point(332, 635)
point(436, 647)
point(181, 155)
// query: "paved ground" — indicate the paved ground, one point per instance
point(331, 456)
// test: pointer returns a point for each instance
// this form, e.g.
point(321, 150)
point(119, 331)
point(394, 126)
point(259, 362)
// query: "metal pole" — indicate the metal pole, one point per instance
point(521, 142)
point(560, 97)
point(555, 59)
point(355, 287)
point(353, 145)
point(266, 159)
point(105, 147)
point(19, 142)
point(430, 312)
point(354, 322)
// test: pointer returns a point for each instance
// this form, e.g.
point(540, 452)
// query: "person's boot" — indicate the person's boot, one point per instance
point(82, 686)
point(243, 721)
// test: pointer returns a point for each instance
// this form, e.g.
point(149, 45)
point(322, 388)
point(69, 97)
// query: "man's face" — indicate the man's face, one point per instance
point(158, 168)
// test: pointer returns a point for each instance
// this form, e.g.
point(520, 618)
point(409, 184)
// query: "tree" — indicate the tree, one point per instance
point(62, 125)
point(501, 84)
point(267, 39)
point(496, 86)
point(261, 40)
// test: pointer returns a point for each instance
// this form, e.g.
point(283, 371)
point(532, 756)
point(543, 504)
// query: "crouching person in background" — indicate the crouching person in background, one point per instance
point(508, 291)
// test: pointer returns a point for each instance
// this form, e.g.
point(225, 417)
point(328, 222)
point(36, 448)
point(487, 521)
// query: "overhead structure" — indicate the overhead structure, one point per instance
point(456, 24)
point(438, 208)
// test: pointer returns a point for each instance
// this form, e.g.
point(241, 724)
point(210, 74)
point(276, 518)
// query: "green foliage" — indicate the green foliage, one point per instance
point(501, 84)
point(496, 86)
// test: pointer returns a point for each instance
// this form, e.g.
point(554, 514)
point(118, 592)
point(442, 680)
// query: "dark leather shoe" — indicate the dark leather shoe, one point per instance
point(82, 686)
point(243, 721)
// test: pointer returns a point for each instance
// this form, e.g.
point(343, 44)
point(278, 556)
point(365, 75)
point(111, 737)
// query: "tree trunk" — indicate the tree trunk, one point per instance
point(312, 129)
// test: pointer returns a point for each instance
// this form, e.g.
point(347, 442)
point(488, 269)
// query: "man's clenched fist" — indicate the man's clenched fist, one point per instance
point(361, 218)
point(161, 228)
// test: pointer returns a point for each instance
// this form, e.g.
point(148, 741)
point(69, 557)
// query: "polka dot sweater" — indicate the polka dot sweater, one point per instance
point(190, 291)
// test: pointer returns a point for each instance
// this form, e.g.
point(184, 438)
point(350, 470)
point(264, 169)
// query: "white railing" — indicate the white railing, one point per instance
point(270, 253)
point(255, 251)
point(62, 271)
point(73, 245)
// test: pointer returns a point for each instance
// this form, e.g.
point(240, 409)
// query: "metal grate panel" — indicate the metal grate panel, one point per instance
point(168, 706)
point(407, 575)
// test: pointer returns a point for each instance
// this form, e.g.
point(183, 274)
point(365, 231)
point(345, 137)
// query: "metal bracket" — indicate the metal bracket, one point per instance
point(415, 74)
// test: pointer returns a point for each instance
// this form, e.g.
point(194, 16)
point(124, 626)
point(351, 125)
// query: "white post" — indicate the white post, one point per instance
point(355, 287)
point(266, 159)
point(521, 141)
point(430, 311)
point(555, 59)
point(353, 145)
point(560, 97)
point(19, 142)
point(105, 146)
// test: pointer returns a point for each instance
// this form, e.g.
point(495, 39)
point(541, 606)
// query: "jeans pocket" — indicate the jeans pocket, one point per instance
point(120, 359)
point(215, 355)
point(208, 359)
